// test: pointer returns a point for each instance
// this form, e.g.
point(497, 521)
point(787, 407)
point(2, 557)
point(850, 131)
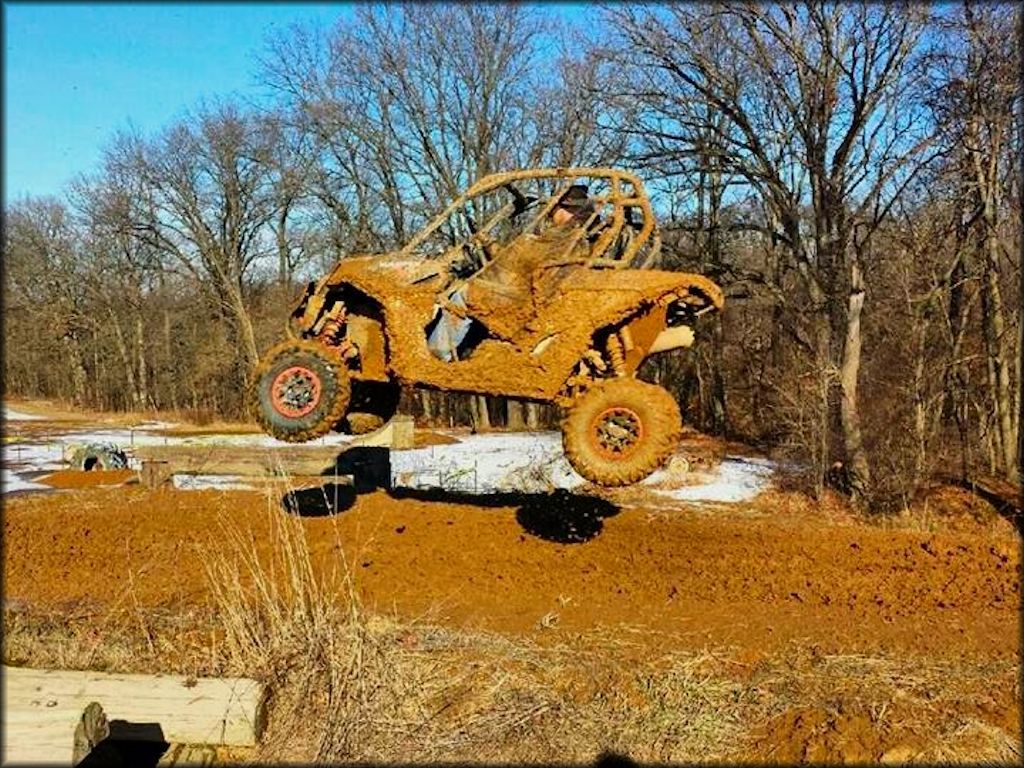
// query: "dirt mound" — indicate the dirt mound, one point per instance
point(76, 478)
point(551, 564)
point(816, 736)
point(424, 438)
point(954, 508)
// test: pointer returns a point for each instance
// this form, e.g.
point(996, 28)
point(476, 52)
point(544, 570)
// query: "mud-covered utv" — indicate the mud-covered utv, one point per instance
point(571, 327)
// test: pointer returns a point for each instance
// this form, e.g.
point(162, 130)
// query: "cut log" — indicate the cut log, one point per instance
point(397, 434)
point(42, 709)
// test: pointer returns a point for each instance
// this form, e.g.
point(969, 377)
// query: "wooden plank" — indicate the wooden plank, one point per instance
point(42, 708)
point(239, 460)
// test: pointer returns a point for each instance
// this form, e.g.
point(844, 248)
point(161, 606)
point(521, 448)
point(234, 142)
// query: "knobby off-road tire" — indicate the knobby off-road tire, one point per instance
point(299, 391)
point(620, 431)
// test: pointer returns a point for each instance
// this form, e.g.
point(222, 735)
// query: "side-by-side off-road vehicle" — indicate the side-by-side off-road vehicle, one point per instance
point(569, 322)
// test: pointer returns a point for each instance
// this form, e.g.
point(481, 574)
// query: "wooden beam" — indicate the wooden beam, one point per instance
point(240, 460)
point(43, 707)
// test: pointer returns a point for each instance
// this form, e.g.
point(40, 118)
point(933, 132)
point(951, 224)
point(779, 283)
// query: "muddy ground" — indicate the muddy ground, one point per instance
point(895, 638)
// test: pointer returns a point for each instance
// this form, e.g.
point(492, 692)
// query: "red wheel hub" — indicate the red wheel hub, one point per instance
point(295, 392)
point(616, 432)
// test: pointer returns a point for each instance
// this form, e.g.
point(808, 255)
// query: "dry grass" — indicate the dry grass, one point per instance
point(351, 686)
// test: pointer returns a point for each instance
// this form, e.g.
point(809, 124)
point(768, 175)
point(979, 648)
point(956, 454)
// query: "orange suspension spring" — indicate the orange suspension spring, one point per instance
point(331, 331)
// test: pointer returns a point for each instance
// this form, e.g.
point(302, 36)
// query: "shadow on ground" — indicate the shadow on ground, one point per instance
point(141, 745)
point(559, 516)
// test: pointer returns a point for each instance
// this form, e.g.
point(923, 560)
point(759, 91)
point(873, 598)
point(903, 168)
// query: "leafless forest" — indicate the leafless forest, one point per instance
point(849, 173)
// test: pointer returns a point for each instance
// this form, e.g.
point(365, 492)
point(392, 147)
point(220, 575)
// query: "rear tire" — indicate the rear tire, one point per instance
point(299, 391)
point(620, 431)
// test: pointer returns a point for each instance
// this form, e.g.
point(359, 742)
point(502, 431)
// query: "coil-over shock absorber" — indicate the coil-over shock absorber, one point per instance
point(616, 356)
point(330, 330)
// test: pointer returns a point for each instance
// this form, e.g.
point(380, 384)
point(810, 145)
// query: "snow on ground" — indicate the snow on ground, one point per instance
point(13, 483)
point(535, 463)
point(737, 478)
point(487, 463)
point(12, 415)
point(48, 453)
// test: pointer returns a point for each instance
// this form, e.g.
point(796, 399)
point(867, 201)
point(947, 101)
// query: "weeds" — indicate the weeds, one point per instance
point(348, 684)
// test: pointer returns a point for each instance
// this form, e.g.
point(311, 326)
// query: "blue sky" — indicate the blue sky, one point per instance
point(74, 73)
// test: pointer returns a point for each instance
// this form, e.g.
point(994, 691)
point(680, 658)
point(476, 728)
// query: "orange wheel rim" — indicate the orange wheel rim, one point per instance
point(295, 392)
point(616, 432)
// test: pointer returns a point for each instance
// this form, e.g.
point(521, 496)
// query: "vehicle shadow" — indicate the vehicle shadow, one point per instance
point(561, 517)
point(558, 516)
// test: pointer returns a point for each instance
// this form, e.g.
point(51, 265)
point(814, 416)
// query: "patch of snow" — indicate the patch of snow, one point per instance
point(12, 482)
point(49, 453)
point(535, 463)
point(490, 463)
point(34, 456)
point(737, 478)
point(12, 415)
point(206, 482)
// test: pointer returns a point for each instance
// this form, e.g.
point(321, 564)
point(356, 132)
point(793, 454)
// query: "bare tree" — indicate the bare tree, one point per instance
point(816, 115)
point(45, 299)
point(978, 91)
point(207, 201)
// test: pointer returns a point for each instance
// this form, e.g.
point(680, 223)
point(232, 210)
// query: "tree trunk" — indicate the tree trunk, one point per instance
point(993, 318)
point(999, 374)
point(78, 373)
point(284, 265)
point(719, 412)
point(427, 404)
point(532, 416)
point(171, 369)
point(481, 417)
point(1019, 428)
point(130, 397)
point(920, 398)
point(140, 349)
point(516, 415)
point(243, 325)
point(823, 365)
point(853, 445)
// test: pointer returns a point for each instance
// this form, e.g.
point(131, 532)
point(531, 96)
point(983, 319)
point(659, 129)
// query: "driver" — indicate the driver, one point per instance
point(507, 292)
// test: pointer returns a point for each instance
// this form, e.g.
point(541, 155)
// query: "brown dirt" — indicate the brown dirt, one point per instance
point(74, 478)
point(424, 439)
point(553, 566)
point(814, 735)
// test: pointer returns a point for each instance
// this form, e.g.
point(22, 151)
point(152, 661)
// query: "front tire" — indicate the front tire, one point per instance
point(620, 431)
point(299, 391)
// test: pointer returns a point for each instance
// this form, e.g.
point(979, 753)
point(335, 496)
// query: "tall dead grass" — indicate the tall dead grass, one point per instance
point(347, 684)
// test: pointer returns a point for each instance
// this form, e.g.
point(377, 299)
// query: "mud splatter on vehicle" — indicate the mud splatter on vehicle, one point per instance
point(547, 312)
